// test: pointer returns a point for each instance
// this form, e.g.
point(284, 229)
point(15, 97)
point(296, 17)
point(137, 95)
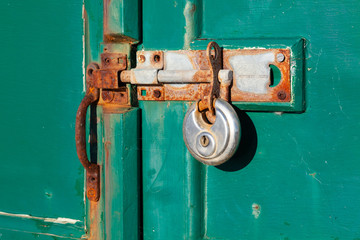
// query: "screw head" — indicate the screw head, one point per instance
point(157, 93)
point(281, 95)
point(280, 57)
point(141, 58)
point(107, 61)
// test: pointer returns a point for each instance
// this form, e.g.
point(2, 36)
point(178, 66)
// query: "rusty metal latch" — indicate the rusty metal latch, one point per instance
point(215, 60)
point(212, 137)
point(98, 79)
point(242, 75)
point(185, 75)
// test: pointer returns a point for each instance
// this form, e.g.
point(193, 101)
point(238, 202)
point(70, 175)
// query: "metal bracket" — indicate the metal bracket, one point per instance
point(184, 75)
point(113, 91)
point(187, 75)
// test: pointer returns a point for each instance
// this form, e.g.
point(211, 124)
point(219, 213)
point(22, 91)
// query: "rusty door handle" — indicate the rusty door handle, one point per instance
point(92, 169)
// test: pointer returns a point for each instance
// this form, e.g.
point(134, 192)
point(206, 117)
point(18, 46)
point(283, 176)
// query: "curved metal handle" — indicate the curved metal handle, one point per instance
point(92, 169)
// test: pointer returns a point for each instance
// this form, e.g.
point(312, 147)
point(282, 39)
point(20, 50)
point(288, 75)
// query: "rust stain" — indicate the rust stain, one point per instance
point(202, 78)
point(151, 93)
point(197, 58)
point(115, 97)
point(111, 66)
point(188, 92)
point(107, 78)
point(156, 59)
point(312, 174)
point(107, 149)
point(169, 92)
point(111, 109)
point(256, 210)
point(225, 92)
point(94, 231)
point(116, 61)
point(106, 17)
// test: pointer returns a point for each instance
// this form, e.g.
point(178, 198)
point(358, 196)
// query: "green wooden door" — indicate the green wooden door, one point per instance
point(299, 173)
point(296, 175)
point(41, 179)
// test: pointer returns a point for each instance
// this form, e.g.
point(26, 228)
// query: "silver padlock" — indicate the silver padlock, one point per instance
point(212, 144)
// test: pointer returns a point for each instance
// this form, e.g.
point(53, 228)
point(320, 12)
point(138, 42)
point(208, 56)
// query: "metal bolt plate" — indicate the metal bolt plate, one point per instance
point(248, 69)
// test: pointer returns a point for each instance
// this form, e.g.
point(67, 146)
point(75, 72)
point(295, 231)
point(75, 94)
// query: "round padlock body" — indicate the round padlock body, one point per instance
point(212, 144)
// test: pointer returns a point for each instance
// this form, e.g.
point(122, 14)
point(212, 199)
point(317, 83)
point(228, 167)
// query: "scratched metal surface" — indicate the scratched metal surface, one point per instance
point(41, 64)
point(296, 176)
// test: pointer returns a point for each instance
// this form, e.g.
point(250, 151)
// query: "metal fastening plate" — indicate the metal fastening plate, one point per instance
point(251, 74)
point(111, 65)
point(212, 144)
point(260, 79)
point(112, 91)
point(249, 69)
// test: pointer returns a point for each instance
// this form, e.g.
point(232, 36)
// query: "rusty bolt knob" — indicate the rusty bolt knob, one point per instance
point(280, 57)
point(281, 95)
point(157, 93)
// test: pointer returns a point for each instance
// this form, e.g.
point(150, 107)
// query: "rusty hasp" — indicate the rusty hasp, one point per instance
point(238, 75)
point(243, 75)
point(214, 55)
point(107, 78)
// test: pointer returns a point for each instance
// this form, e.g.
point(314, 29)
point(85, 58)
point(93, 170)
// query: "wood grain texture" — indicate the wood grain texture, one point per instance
point(41, 65)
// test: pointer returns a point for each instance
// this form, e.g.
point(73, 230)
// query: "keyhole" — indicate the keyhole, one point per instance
point(204, 141)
